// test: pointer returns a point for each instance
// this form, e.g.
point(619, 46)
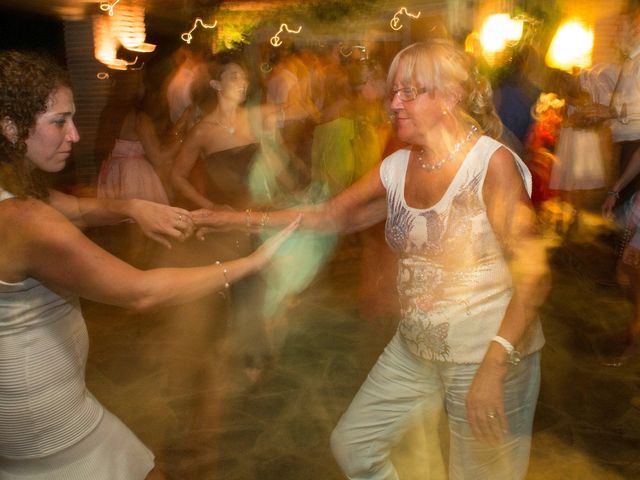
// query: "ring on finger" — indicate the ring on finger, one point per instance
point(492, 416)
point(180, 218)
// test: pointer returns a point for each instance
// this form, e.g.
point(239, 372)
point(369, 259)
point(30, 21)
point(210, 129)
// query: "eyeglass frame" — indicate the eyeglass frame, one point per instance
point(414, 93)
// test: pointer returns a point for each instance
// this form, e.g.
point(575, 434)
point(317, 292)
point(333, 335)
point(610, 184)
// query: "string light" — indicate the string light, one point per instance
point(108, 7)
point(265, 67)
point(187, 37)
point(345, 53)
point(275, 40)
point(395, 21)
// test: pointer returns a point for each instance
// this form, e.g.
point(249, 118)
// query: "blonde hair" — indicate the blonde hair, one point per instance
point(441, 66)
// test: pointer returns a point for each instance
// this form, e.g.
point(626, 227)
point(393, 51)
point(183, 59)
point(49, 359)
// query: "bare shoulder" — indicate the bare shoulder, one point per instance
point(26, 223)
point(502, 165)
point(31, 219)
point(502, 158)
point(504, 179)
point(17, 214)
point(200, 133)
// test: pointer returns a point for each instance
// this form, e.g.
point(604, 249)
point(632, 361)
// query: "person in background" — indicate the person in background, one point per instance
point(189, 62)
point(50, 424)
point(288, 91)
point(136, 151)
point(136, 158)
point(621, 105)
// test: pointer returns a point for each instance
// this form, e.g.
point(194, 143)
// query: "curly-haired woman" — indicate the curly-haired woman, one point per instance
point(50, 425)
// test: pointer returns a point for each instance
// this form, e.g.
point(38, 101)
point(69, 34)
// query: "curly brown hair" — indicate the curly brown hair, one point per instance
point(27, 81)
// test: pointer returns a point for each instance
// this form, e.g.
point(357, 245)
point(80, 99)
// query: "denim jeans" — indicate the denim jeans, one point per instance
point(401, 387)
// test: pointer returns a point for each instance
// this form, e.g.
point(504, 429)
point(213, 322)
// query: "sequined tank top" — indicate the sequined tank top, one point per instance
point(453, 281)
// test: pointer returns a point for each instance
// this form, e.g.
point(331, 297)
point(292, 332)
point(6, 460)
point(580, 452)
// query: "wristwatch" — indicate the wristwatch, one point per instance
point(513, 356)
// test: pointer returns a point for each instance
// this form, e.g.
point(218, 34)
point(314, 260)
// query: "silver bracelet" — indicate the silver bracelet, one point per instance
point(224, 272)
point(264, 219)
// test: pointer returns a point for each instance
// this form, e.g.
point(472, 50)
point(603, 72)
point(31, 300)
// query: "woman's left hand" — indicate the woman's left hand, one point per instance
point(207, 221)
point(485, 403)
point(162, 222)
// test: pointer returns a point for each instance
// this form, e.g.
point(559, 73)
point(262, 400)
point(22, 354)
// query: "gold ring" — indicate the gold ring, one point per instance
point(491, 416)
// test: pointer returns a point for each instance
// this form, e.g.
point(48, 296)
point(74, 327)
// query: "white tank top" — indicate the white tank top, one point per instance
point(44, 404)
point(453, 281)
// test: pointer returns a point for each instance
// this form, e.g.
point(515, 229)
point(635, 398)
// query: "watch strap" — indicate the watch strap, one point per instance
point(513, 356)
point(506, 344)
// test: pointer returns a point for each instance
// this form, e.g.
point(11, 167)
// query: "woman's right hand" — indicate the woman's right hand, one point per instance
point(162, 222)
point(265, 253)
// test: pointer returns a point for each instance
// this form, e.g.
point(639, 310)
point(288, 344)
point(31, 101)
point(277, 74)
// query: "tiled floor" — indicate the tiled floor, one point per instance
point(165, 375)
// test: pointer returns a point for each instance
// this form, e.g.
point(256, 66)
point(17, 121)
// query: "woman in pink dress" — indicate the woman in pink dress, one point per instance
point(137, 155)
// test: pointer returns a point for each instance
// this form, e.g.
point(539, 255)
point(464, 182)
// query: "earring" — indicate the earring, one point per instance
point(444, 113)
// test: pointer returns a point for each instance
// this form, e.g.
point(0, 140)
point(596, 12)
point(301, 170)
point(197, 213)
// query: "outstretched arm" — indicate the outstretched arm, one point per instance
point(356, 208)
point(158, 222)
point(45, 246)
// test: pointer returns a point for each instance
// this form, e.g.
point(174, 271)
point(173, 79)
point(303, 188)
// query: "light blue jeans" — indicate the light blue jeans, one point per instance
point(398, 391)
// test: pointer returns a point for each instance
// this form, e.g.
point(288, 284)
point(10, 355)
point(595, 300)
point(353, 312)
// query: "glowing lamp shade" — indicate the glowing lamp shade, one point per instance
point(513, 30)
point(498, 30)
point(128, 27)
point(105, 44)
point(571, 47)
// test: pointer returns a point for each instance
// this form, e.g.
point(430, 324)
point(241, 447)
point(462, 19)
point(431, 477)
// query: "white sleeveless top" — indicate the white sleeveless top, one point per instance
point(453, 280)
point(44, 404)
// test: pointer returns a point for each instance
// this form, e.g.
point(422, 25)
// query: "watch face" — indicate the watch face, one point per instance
point(514, 357)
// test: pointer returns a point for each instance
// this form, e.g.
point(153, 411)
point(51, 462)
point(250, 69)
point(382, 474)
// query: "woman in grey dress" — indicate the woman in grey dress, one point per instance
point(51, 427)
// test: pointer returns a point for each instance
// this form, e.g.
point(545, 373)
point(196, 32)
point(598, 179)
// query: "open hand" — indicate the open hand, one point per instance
point(265, 253)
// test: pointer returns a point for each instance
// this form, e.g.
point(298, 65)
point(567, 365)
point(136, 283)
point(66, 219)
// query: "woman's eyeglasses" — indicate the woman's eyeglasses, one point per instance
point(406, 94)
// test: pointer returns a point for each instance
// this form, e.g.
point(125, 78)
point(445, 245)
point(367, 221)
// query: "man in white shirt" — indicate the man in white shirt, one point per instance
point(624, 101)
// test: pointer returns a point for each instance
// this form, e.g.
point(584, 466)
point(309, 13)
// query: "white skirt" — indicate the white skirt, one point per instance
point(579, 161)
point(110, 452)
